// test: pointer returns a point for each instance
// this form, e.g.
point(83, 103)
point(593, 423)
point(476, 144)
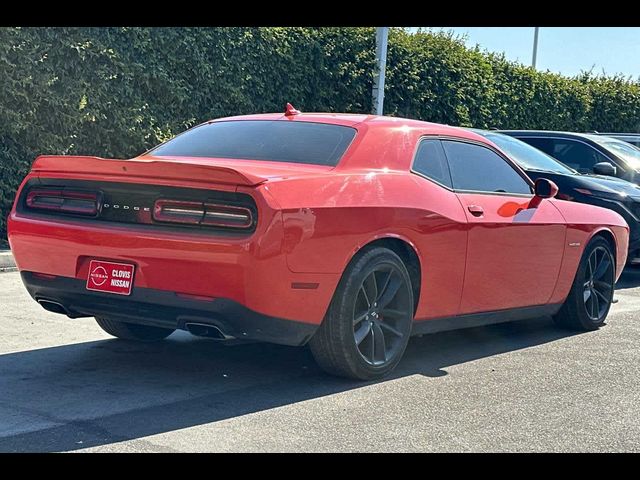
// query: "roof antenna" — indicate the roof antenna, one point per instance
point(290, 111)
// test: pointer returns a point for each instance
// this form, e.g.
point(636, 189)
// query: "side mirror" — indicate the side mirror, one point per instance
point(545, 188)
point(605, 168)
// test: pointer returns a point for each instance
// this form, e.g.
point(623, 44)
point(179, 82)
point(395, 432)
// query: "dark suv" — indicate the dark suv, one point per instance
point(607, 192)
point(586, 153)
point(632, 138)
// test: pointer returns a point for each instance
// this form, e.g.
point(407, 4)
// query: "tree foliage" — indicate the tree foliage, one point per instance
point(117, 91)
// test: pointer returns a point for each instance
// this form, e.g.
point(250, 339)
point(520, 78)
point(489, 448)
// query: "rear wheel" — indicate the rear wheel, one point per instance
point(590, 298)
point(133, 331)
point(368, 324)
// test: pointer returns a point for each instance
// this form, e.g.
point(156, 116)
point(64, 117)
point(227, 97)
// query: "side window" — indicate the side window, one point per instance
point(577, 155)
point(544, 144)
point(431, 162)
point(480, 169)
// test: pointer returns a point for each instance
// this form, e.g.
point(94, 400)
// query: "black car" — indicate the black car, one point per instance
point(586, 153)
point(632, 138)
point(608, 192)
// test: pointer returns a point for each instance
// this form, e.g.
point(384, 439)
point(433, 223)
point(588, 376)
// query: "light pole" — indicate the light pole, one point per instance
point(535, 47)
point(382, 36)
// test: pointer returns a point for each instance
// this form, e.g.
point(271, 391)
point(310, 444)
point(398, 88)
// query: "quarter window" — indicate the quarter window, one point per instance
point(431, 162)
point(477, 168)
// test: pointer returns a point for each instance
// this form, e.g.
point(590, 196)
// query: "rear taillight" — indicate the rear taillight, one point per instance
point(64, 201)
point(197, 213)
point(178, 212)
point(227, 216)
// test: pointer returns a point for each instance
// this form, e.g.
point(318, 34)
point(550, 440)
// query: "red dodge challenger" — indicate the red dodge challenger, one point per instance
point(346, 232)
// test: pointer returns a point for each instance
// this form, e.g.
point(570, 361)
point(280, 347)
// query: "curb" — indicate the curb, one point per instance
point(6, 260)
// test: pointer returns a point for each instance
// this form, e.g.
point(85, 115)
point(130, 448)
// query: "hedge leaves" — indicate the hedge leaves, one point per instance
point(116, 91)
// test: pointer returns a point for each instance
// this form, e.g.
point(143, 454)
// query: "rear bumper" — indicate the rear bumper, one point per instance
point(250, 271)
point(166, 309)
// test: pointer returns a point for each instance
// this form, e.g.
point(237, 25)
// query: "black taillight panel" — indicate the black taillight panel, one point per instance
point(229, 216)
point(178, 211)
point(203, 213)
point(154, 206)
point(64, 201)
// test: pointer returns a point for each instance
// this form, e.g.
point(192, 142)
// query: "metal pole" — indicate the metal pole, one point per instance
point(535, 47)
point(382, 36)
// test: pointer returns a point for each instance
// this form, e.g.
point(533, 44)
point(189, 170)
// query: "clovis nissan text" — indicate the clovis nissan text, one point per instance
point(345, 232)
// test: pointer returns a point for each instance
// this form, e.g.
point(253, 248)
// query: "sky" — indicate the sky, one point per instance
point(565, 50)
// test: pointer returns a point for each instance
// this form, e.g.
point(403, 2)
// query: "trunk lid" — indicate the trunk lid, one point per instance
point(205, 170)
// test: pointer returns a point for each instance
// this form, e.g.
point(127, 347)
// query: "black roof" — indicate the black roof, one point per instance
point(619, 134)
point(552, 133)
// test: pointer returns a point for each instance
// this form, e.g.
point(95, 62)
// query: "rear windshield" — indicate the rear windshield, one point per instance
point(273, 140)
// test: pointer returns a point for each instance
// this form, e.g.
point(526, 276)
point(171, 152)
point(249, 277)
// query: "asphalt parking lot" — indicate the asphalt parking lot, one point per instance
point(527, 386)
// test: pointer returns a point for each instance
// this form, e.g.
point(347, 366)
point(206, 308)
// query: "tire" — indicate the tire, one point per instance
point(355, 323)
point(579, 311)
point(133, 331)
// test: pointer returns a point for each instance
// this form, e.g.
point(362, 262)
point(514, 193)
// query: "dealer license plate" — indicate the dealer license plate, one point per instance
point(110, 277)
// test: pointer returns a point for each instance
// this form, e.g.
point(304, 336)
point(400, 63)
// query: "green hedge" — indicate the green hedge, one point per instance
point(116, 91)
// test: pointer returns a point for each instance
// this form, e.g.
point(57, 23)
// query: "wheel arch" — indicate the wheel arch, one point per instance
point(574, 312)
point(609, 236)
point(405, 249)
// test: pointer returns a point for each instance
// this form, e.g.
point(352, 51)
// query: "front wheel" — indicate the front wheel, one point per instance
point(368, 324)
point(591, 295)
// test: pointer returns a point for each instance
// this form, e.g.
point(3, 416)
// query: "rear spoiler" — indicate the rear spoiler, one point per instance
point(144, 168)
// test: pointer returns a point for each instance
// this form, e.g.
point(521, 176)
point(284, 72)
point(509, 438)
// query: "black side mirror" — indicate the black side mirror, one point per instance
point(605, 168)
point(545, 188)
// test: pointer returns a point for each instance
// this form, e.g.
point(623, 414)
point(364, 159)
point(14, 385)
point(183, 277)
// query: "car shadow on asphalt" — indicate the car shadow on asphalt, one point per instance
point(96, 393)
point(630, 278)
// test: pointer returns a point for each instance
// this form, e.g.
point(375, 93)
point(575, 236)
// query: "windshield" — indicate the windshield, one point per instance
point(526, 156)
point(626, 151)
point(273, 140)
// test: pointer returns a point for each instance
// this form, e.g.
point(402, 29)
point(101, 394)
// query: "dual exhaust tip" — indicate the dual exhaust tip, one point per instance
point(207, 330)
point(198, 329)
point(52, 306)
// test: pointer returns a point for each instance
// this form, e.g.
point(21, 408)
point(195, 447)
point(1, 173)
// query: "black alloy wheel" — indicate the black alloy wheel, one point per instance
point(368, 323)
point(380, 313)
point(598, 283)
point(591, 295)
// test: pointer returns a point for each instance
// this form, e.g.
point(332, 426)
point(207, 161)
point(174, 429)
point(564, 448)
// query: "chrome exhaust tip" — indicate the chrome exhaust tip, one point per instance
point(52, 306)
point(206, 330)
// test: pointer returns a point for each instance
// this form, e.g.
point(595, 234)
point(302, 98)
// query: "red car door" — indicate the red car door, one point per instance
point(514, 249)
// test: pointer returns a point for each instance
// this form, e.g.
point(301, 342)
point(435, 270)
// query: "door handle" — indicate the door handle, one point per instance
point(476, 210)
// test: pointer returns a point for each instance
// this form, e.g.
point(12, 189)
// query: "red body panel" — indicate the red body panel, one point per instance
point(313, 219)
point(514, 253)
point(580, 229)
